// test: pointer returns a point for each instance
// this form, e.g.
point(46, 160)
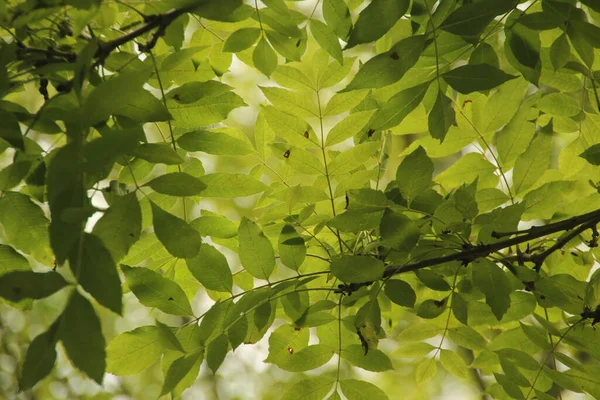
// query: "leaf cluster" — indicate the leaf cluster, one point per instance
point(395, 152)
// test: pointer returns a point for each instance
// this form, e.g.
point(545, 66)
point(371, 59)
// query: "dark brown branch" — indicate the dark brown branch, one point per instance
point(581, 222)
point(157, 21)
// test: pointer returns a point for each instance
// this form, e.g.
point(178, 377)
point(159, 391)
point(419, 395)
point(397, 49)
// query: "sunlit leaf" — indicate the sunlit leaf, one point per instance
point(414, 175)
point(389, 67)
point(154, 290)
point(178, 237)
point(133, 351)
point(211, 269)
point(256, 252)
point(241, 39)
point(375, 20)
point(493, 282)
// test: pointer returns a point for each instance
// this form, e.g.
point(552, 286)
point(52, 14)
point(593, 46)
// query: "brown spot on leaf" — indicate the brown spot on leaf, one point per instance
point(290, 350)
point(306, 134)
point(286, 154)
point(394, 56)
point(370, 132)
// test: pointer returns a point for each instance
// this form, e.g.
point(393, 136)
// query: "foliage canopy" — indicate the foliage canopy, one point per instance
point(439, 197)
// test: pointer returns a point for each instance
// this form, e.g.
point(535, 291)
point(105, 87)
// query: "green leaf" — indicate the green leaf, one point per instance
point(468, 168)
point(559, 104)
point(472, 18)
point(356, 221)
point(484, 53)
point(292, 78)
point(592, 292)
point(355, 390)
point(420, 331)
point(357, 269)
point(400, 292)
point(299, 159)
point(537, 335)
point(348, 127)
point(19, 214)
point(230, 186)
point(432, 280)
point(178, 237)
point(430, 308)
point(154, 290)
point(338, 17)
point(414, 174)
point(425, 371)
point(256, 252)
point(178, 371)
point(160, 153)
point(398, 231)
point(211, 269)
point(475, 78)
point(560, 50)
point(81, 335)
point(177, 184)
point(308, 358)
point(167, 338)
point(309, 389)
point(453, 363)
point(524, 44)
point(289, 46)
point(40, 358)
point(293, 129)
point(375, 20)
point(264, 57)
point(94, 268)
point(10, 130)
point(290, 102)
point(344, 101)
point(533, 162)
point(592, 154)
point(132, 352)
point(284, 342)
point(13, 174)
point(418, 349)
point(292, 250)
point(216, 352)
point(215, 226)
point(241, 40)
point(398, 107)
point(18, 285)
point(353, 158)
point(389, 67)
point(213, 143)
point(197, 104)
point(375, 360)
point(441, 117)
point(120, 226)
point(493, 282)
point(327, 39)
point(10, 260)
point(102, 102)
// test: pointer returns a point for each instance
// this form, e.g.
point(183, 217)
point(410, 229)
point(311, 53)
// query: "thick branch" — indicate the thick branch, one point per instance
point(581, 222)
point(157, 21)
